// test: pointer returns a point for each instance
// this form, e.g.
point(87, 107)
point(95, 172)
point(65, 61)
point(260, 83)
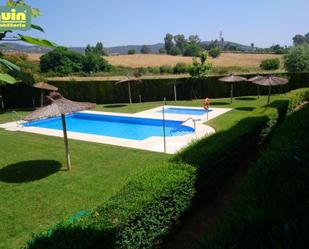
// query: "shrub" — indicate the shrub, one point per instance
point(214, 52)
point(181, 68)
point(165, 69)
point(64, 61)
point(297, 59)
point(131, 51)
point(175, 51)
point(61, 60)
point(270, 64)
point(192, 49)
point(140, 213)
point(95, 63)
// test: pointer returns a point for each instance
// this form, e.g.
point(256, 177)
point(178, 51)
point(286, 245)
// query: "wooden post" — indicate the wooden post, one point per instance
point(164, 136)
point(42, 97)
point(175, 92)
point(269, 92)
point(231, 93)
point(66, 143)
point(129, 88)
point(1, 99)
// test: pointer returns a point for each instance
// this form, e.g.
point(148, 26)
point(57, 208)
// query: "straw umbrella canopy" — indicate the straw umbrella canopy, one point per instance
point(44, 87)
point(129, 81)
point(270, 81)
point(231, 79)
point(59, 106)
point(257, 77)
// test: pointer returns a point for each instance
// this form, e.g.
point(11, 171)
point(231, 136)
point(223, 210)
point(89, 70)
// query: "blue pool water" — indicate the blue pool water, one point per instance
point(114, 126)
point(187, 111)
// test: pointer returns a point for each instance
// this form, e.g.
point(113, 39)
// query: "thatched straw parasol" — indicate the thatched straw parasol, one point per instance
point(129, 81)
point(257, 77)
point(44, 87)
point(270, 81)
point(231, 79)
point(59, 106)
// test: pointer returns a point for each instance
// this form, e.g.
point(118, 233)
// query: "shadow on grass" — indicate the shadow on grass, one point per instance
point(28, 171)
point(246, 98)
point(220, 103)
point(244, 108)
point(114, 106)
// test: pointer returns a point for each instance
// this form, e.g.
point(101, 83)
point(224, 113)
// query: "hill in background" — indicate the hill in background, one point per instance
point(16, 47)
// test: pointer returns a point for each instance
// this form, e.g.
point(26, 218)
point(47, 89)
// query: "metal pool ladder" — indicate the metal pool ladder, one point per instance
point(17, 118)
point(194, 123)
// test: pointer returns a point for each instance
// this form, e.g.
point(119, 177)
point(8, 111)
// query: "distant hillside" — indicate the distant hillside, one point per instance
point(16, 47)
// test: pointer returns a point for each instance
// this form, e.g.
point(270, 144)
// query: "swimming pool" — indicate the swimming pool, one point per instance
point(185, 111)
point(134, 128)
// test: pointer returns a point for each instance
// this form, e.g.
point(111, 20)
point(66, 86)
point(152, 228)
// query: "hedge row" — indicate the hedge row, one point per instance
point(150, 90)
point(271, 209)
point(153, 201)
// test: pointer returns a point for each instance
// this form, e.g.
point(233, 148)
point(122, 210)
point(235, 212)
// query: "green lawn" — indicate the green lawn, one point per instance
point(36, 191)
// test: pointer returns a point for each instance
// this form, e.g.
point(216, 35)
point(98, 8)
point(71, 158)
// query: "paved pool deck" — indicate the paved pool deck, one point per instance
point(173, 143)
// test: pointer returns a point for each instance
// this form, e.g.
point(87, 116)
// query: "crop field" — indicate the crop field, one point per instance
point(225, 60)
point(153, 60)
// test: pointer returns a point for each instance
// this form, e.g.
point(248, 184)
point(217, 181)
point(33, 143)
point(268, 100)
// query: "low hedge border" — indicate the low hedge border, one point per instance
point(271, 209)
point(155, 199)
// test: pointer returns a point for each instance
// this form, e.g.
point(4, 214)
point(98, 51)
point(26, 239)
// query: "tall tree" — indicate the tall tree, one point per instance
point(299, 39)
point(180, 41)
point(168, 43)
point(194, 39)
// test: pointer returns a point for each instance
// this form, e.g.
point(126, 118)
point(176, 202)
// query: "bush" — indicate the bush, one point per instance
point(131, 51)
point(192, 49)
point(263, 211)
point(270, 64)
point(214, 52)
point(175, 51)
point(297, 59)
point(64, 61)
point(165, 69)
point(181, 68)
point(143, 211)
point(95, 63)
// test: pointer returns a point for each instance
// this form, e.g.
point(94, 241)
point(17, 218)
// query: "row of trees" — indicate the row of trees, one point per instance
point(98, 49)
point(179, 45)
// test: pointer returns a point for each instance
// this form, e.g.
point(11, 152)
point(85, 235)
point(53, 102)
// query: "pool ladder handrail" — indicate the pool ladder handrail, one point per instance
point(17, 118)
point(194, 123)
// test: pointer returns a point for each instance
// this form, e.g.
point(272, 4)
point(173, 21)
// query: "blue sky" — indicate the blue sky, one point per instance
point(123, 22)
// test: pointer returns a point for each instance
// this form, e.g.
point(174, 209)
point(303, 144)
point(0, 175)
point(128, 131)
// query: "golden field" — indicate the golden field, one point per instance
point(225, 60)
point(152, 60)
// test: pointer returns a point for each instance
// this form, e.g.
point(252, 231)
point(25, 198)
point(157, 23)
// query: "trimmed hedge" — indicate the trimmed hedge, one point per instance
point(140, 213)
point(271, 209)
point(154, 200)
point(151, 90)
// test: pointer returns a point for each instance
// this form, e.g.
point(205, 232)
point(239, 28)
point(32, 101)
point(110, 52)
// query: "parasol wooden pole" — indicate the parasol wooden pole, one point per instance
point(42, 96)
point(66, 143)
point(1, 99)
point(231, 93)
point(269, 92)
point(175, 92)
point(129, 88)
point(258, 91)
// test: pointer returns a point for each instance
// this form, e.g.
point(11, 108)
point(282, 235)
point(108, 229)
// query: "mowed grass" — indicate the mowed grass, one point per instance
point(225, 60)
point(37, 191)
